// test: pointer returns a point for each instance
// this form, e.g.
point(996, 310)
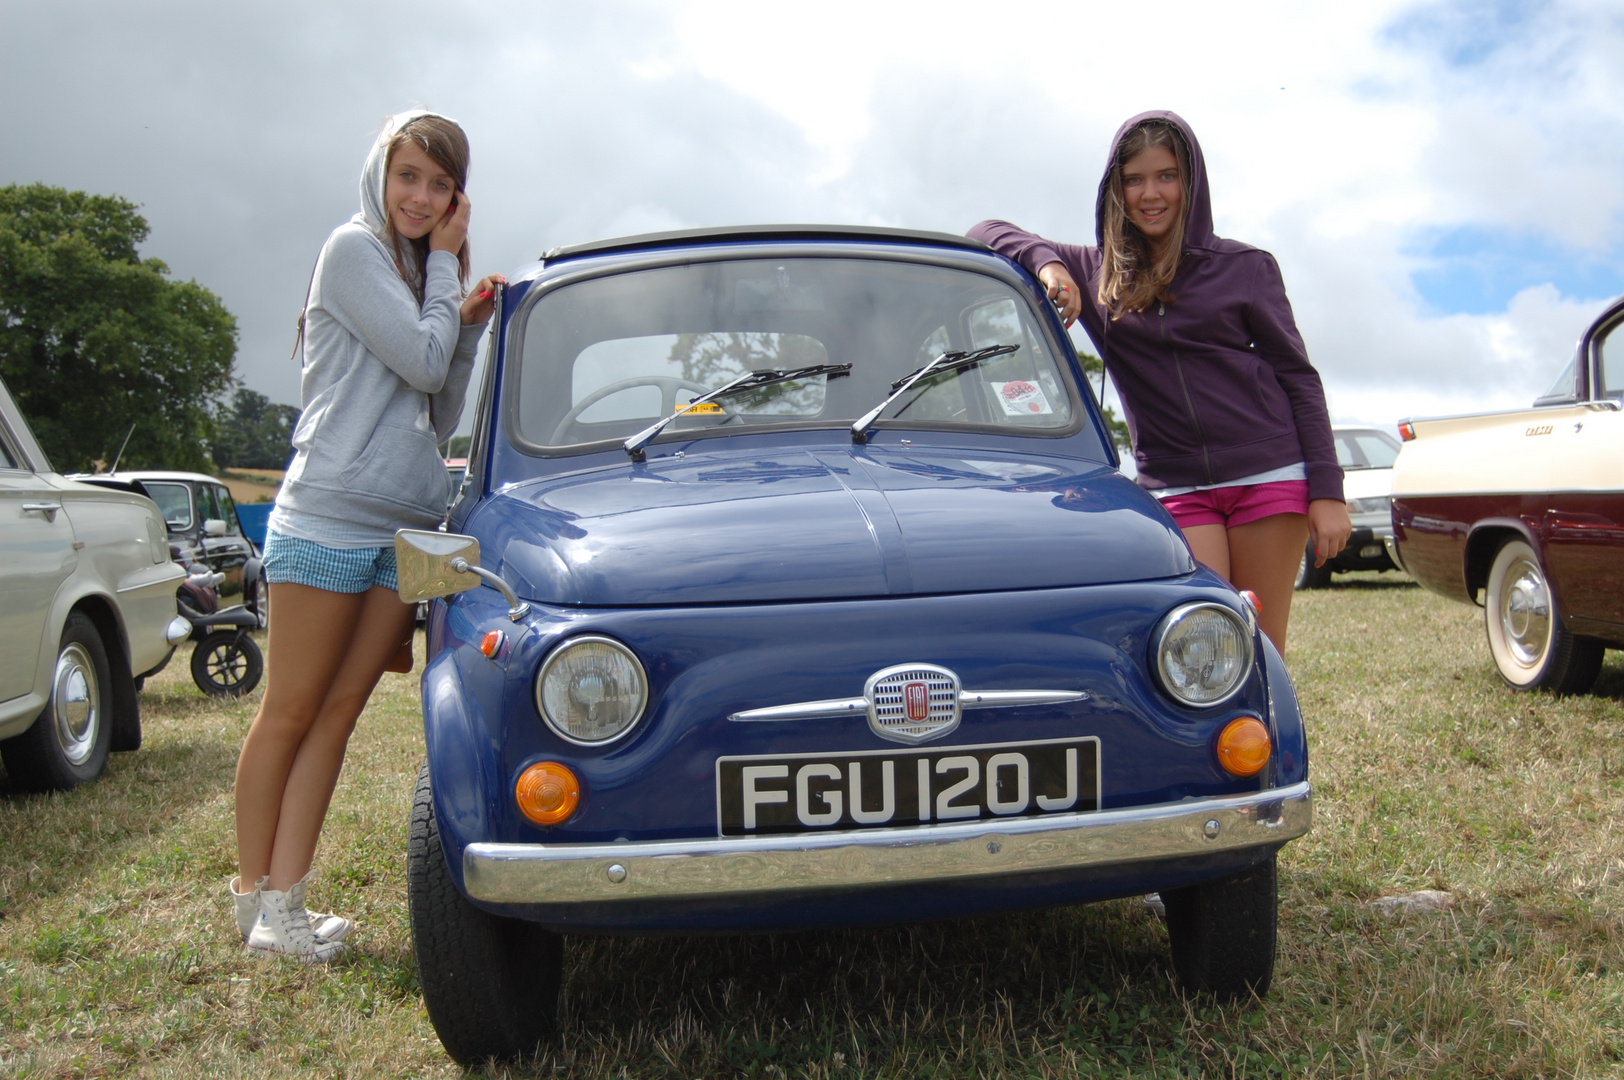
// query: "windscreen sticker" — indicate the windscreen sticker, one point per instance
point(1021, 398)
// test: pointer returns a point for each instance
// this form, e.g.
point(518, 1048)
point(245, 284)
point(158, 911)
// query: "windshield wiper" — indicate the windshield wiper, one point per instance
point(750, 380)
point(956, 360)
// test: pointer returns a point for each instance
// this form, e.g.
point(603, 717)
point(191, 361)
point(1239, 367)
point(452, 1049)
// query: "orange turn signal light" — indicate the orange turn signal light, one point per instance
point(1406, 431)
point(1251, 598)
point(547, 793)
point(491, 643)
point(1243, 746)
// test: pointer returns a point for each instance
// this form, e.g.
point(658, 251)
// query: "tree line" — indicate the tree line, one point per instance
point(98, 344)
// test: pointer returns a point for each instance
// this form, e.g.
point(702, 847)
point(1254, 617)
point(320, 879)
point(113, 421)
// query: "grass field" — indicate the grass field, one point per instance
point(118, 955)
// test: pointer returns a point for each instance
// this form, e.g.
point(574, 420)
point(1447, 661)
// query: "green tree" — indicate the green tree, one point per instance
point(94, 338)
point(1094, 368)
point(252, 433)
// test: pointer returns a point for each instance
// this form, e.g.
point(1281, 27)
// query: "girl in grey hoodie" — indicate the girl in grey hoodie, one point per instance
point(1226, 413)
point(387, 340)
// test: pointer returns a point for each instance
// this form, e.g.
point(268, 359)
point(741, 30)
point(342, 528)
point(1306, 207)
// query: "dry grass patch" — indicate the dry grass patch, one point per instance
point(118, 954)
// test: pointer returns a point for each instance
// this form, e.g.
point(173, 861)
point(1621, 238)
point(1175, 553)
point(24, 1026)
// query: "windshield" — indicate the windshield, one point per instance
point(1365, 448)
point(174, 502)
point(605, 358)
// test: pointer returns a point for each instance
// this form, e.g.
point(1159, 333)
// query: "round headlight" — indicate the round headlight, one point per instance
point(1203, 653)
point(591, 690)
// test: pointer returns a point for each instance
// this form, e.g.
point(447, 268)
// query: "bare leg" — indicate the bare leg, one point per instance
point(327, 651)
point(1210, 543)
point(383, 623)
point(308, 640)
point(1263, 557)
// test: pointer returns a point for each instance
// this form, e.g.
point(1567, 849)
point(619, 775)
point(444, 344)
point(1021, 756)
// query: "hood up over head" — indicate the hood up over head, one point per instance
point(1198, 214)
point(373, 213)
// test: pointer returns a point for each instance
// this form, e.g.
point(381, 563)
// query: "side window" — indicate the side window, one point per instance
point(7, 459)
point(1610, 363)
point(206, 506)
point(228, 509)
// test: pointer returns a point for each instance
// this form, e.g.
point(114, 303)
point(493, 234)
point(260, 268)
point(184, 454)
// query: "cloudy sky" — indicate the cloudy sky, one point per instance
point(1443, 183)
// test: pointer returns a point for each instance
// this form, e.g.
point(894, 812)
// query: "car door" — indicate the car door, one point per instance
point(1584, 521)
point(37, 553)
point(227, 552)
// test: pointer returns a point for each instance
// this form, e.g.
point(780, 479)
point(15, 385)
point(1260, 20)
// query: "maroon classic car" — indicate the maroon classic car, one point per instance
point(1523, 513)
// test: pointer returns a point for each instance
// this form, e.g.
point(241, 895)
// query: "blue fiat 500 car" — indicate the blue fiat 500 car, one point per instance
point(812, 597)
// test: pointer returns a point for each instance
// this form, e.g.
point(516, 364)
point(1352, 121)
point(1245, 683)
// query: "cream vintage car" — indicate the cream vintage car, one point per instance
point(89, 605)
point(1523, 513)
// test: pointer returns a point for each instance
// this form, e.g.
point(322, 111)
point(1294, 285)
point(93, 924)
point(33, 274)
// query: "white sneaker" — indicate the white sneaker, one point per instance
point(325, 926)
point(284, 928)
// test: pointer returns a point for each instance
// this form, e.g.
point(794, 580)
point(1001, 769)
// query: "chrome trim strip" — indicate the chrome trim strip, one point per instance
point(805, 710)
point(1014, 699)
point(772, 865)
point(968, 699)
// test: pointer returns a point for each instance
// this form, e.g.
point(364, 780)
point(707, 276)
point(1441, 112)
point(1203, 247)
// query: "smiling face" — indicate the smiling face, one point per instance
point(417, 192)
point(1153, 193)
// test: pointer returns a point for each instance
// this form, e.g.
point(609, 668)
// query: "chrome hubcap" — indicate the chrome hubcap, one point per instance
point(76, 703)
point(1525, 612)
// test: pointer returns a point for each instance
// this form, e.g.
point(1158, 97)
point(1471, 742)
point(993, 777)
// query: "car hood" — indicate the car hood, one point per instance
point(739, 526)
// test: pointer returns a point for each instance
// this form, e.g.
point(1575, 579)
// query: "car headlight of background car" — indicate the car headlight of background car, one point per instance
point(591, 690)
point(1202, 653)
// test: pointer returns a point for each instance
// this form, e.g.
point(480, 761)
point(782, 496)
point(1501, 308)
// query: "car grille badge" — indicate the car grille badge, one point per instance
point(913, 703)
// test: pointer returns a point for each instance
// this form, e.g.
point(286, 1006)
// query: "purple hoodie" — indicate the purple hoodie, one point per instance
point(1217, 384)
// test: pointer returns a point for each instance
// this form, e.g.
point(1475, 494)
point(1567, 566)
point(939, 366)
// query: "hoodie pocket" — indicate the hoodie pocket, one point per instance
point(401, 465)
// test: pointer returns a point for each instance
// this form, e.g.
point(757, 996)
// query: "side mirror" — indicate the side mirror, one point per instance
point(431, 564)
point(214, 527)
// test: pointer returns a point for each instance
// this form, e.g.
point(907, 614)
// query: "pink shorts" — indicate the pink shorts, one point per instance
point(1232, 506)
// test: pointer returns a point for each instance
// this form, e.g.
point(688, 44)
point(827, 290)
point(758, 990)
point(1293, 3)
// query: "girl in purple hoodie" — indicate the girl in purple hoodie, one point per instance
point(1226, 413)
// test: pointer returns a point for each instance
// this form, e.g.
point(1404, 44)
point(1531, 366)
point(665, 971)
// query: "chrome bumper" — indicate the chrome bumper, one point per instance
point(675, 869)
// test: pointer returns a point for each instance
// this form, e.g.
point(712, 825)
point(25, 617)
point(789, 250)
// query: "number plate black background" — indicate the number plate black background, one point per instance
point(1046, 765)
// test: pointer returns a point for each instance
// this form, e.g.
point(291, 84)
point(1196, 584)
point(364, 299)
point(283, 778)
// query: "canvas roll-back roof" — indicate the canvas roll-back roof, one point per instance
point(752, 233)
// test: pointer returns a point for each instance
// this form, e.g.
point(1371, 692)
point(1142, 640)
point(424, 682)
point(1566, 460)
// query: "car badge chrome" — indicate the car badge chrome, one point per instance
point(913, 703)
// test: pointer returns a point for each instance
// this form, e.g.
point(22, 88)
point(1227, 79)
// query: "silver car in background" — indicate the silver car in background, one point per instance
point(87, 604)
point(1366, 455)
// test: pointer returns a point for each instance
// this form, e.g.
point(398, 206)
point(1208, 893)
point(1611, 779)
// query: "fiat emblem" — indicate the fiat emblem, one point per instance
point(916, 701)
point(913, 703)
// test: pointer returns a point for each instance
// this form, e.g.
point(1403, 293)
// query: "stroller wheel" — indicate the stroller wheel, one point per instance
point(227, 663)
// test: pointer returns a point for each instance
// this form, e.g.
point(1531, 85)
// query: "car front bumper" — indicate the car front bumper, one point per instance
point(592, 874)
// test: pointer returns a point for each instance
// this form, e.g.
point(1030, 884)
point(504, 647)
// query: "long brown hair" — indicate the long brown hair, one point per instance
point(446, 144)
point(1132, 276)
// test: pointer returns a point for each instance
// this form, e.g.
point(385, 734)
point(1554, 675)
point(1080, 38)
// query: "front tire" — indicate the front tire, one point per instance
point(69, 742)
point(490, 984)
point(1532, 650)
point(1222, 932)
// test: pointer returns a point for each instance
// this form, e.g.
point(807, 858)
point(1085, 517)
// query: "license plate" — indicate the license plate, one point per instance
point(791, 793)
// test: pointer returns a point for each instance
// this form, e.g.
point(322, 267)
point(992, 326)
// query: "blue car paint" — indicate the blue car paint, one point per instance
point(822, 520)
point(1068, 571)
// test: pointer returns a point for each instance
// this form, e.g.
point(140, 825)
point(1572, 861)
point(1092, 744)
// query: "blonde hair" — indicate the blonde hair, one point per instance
point(1132, 276)
point(447, 146)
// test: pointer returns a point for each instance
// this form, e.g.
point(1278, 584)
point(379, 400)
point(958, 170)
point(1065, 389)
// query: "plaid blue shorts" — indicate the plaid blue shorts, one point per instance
point(292, 561)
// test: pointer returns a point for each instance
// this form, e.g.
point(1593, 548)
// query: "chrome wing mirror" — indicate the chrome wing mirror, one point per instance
point(430, 564)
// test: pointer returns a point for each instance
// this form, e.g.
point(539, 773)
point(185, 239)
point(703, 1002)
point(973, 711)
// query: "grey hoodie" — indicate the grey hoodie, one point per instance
point(383, 379)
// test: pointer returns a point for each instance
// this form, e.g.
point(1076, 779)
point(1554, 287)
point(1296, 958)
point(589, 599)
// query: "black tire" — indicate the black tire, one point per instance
point(227, 663)
point(1223, 932)
point(1531, 648)
point(490, 984)
point(69, 742)
point(1310, 576)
